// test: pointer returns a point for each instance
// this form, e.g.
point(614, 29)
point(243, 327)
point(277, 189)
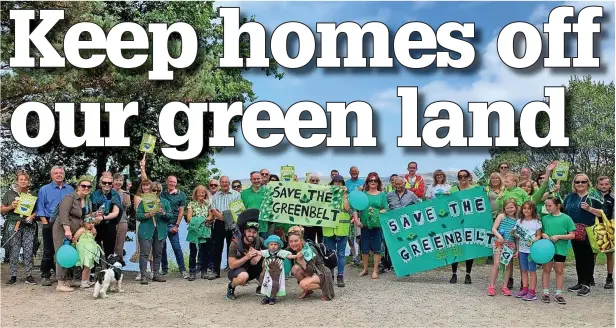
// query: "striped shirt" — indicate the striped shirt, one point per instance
point(221, 199)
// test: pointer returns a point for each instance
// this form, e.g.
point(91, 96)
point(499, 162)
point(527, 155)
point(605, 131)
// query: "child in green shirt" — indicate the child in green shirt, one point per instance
point(559, 228)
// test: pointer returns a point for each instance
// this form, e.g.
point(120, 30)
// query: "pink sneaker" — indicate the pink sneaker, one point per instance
point(522, 293)
point(491, 291)
point(506, 291)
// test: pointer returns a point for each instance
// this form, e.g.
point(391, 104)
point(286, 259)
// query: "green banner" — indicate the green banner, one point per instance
point(301, 204)
point(439, 232)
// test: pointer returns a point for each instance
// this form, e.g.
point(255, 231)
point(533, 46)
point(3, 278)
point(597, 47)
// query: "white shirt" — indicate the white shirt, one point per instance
point(437, 190)
point(531, 227)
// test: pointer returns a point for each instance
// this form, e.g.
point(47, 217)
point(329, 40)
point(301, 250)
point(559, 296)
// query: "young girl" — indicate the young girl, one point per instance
point(503, 225)
point(273, 269)
point(531, 225)
point(87, 248)
point(559, 228)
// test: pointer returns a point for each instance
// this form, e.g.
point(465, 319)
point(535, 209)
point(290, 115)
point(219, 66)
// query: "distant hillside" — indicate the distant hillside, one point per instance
point(451, 178)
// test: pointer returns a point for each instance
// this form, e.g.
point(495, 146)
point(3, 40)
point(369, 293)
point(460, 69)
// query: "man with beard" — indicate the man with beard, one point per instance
point(245, 260)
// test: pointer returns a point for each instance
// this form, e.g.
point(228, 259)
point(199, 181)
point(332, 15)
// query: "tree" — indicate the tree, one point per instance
point(203, 81)
point(589, 124)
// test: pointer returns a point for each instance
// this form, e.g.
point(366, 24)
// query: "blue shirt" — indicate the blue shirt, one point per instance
point(573, 208)
point(49, 196)
point(353, 185)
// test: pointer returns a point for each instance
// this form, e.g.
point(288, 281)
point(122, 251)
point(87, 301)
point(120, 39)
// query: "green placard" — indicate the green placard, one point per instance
point(287, 173)
point(150, 202)
point(236, 207)
point(301, 204)
point(439, 232)
point(25, 204)
point(561, 172)
point(148, 142)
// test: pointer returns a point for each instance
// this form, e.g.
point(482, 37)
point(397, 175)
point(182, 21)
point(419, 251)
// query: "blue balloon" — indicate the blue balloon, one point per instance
point(67, 256)
point(358, 200)
point(542, 251)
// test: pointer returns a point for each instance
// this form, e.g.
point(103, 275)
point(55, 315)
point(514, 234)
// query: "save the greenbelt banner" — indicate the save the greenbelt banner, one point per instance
point(439, 232)
point(301, 204)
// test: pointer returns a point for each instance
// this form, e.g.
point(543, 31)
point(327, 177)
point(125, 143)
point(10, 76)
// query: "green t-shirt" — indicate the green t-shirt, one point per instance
point(558, 225)
point(378, 202)
point(176, 200)
point(252, 199)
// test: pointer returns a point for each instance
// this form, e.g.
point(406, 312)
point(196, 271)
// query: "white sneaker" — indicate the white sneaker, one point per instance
point(138, 277)
point(85, 284)
point(150, 274)
point(185, 275)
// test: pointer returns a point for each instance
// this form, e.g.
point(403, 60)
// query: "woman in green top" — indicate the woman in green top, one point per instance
point(151, 237)
point(21, 229)
point(553, 191)
point(465, 182)
point(336, 238)
point(370, 224)
point(199, 219)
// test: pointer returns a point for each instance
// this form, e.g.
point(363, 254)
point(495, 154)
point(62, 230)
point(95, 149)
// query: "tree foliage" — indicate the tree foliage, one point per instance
point(203, 81)
point(589, 124)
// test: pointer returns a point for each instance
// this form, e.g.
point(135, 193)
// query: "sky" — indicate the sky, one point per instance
point(489, 81)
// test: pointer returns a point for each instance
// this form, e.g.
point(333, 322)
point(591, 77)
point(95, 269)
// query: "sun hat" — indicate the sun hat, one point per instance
point(273, 239)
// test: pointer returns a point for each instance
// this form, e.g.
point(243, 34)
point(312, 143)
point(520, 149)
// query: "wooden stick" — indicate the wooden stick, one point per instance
point(144, 156)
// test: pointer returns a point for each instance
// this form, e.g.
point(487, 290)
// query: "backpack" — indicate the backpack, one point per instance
point(329, 257)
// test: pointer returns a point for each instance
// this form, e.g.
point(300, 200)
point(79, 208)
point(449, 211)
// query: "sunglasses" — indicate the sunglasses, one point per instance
point(236, 187)
point(581, 182)
point(107, 183)
point(373, 180)
point(213, 185)
point(315, 181)
point(462, 176)
point(156, 190)
point(504, 167)
point(265, 174)
point(86, 186)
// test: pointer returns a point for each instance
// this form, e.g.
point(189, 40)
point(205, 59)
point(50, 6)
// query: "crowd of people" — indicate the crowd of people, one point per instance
point(97, 221)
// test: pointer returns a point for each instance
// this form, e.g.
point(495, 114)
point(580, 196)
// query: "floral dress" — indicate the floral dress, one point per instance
point(88, 250)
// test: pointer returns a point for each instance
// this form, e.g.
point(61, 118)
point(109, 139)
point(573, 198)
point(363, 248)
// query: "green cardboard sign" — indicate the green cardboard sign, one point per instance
point(236, 207)
point(148, 142)
point(287, 173)
point(439, 232)
point(301, 204)
point(561, 172)
point(150, 202)
point(25, 204)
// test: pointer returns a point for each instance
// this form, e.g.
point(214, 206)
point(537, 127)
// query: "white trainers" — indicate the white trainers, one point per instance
point(138, 277)
point(185, 275)
point(85, 284)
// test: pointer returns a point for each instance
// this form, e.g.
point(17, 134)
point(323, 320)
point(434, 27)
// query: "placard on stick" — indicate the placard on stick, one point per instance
point(148, 142)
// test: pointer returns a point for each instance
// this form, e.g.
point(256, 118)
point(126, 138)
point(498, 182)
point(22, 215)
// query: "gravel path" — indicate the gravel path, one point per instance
point(425, 299)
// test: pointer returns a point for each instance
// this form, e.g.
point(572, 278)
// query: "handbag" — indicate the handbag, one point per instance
point(580, 232)
point(601, 235)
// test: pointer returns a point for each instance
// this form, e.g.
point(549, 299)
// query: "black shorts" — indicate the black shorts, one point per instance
point(559, 258)
point(254, 271)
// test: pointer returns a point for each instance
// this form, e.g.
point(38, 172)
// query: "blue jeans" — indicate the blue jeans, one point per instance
point(174, 238)
point(338, 244)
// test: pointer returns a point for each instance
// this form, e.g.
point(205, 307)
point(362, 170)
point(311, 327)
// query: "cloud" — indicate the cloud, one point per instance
point(540, 14)
point(382, 15)
point(495, 81)
point(423, 5)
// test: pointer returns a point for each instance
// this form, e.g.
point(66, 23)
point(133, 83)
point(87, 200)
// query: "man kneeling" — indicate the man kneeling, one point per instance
point(245, 259)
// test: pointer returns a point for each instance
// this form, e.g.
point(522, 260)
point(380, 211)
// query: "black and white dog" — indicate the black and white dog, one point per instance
point(107, 277)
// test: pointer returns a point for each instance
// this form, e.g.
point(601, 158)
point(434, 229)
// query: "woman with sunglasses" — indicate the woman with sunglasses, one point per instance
point(144, 188)
point(370, 223)
point(113, 209)
point(236, 185)
point(274, 177)
point(503, 169)
point(152, 234)
point(465, 182)
point(439, 185)
point(582, 208)
point(72, 210)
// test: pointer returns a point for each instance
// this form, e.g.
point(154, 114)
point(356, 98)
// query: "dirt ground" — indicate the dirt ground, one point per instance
point(425, 299)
